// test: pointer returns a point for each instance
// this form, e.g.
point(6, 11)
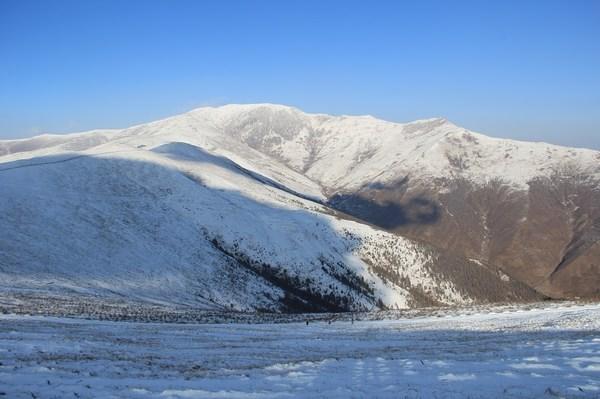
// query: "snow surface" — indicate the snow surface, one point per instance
point(314, 152)
point(496, 353)
point(136, 211)
point(348, 152)
point(137, 216)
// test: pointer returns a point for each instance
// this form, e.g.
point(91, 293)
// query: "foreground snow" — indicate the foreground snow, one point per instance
point(552, 352)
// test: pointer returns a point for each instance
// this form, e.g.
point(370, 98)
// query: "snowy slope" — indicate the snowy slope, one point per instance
point(351, 151)
point(223, 207)
point(176, 224)
point(335, 152)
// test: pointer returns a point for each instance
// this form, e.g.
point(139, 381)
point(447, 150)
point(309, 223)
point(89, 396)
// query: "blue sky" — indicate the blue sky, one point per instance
point(519, 69)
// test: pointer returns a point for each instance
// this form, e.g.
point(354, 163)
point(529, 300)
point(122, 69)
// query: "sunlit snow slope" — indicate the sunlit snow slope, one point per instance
point(229, 207)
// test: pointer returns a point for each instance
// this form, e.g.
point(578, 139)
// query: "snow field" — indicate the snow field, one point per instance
point(552, 352)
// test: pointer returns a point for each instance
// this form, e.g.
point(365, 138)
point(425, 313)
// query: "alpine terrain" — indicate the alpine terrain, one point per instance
point(266, 208)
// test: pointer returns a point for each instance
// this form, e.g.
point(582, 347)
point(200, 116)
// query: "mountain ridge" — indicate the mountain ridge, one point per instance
point(474, 199)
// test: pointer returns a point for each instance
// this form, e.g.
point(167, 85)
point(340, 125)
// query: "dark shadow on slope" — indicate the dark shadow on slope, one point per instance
point(377, 203)
point(185, 151)
point(131, 198)
point(120, 185)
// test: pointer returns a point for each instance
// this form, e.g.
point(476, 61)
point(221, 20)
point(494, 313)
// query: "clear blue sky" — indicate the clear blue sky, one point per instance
point(520, 69)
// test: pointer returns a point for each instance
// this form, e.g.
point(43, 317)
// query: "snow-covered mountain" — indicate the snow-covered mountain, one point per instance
point(333, 153)
point(239, 207)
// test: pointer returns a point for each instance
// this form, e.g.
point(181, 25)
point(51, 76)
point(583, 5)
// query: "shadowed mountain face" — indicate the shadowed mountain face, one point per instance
point(528, 209)
point(345, 212)
point(178, 225)
point(547, 236)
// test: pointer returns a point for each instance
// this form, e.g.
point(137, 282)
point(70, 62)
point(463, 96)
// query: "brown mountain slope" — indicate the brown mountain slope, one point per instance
point(547, 236)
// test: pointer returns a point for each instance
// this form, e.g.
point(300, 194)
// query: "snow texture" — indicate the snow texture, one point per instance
point(489, 353)
point(160, 211)
point(312, 152)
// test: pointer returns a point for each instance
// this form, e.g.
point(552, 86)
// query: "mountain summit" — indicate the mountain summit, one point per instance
point(267, 207)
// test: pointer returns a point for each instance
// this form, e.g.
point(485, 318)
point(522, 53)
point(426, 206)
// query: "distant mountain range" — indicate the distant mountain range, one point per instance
point(264, 207)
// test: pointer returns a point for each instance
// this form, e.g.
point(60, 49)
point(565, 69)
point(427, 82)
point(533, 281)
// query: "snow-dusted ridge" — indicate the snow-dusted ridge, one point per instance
point(347, 151)
point(164, 224)
point(223, 207)
point(341, 152)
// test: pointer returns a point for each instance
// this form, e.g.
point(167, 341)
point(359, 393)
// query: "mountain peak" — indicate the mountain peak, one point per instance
point(236, 108)
point(438, 120)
